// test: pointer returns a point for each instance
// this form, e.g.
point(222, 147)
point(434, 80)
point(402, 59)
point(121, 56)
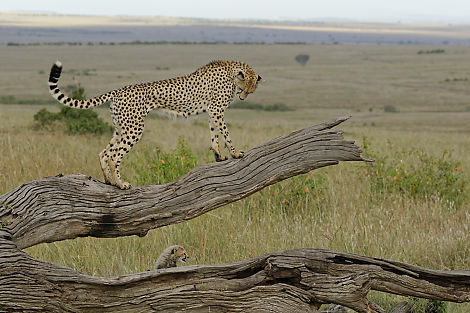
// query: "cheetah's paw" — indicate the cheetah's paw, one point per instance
point(124, 185)
point(238, 155)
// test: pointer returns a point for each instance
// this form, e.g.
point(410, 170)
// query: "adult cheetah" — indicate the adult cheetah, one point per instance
point(209, 89)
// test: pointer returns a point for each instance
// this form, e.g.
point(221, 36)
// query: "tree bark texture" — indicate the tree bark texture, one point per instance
point(67, 207)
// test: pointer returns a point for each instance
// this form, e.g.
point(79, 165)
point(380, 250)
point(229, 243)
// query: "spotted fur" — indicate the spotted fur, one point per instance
point(170, 256)
point(209, 89)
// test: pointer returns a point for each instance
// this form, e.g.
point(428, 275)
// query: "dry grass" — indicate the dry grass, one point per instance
point(345, 216)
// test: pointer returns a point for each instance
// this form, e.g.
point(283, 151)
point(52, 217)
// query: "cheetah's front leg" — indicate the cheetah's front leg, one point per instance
point(215, 142)
point(217, 118)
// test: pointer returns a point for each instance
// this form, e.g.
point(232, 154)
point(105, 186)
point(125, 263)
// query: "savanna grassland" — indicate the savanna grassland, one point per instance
point(412, 205)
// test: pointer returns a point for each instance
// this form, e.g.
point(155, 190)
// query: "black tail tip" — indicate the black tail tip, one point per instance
point(55, 72)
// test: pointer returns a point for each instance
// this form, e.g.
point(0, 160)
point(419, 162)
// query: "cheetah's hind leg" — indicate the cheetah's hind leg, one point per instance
point(104, 156)
point(126, 141)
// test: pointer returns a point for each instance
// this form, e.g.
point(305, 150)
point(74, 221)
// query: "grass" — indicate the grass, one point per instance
point(246, 105)
point(338, 208)
point(330, 208)
point(13, 100)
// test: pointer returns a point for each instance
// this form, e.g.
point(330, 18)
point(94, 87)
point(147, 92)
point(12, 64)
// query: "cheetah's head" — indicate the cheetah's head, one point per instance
point(179, 254)
point(246, 82)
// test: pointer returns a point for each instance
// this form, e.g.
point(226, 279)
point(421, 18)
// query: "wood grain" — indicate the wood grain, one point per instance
point(67, 207)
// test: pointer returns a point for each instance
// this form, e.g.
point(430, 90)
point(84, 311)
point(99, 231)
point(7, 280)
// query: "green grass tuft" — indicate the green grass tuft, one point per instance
point(427, 177)
point(159, 167)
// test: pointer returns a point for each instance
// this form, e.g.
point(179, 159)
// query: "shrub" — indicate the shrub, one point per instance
point(45, 119)
point(390, 108)
point(152, 167)
point(76, 121)
point(163, 167)
point(276, 107)
point(9, 99)
point(254, 106)
point(419, 305)
point(427, 177)
point(302, 59)
point(435, 51)
point(302, 191)
point(83, 121)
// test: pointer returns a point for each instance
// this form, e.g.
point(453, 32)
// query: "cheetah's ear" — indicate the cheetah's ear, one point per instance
point(173, 251)
point(241, 76)
point(260, 79)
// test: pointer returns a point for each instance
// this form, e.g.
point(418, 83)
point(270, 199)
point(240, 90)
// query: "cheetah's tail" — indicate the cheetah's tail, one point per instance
point(62, 98)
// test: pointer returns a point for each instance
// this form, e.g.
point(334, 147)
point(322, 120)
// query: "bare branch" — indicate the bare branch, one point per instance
point(66, 207)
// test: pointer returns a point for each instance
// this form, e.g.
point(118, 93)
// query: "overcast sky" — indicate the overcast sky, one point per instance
point(444, 11)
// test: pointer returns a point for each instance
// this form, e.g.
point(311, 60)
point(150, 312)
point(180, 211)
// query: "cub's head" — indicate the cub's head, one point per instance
point(246, 81)
point(179, 254)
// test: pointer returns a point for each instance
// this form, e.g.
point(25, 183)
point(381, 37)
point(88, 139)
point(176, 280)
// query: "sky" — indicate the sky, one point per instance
point(443, 11)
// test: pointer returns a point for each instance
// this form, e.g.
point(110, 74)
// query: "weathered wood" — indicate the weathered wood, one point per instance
point(65, 207)
point(287, 281)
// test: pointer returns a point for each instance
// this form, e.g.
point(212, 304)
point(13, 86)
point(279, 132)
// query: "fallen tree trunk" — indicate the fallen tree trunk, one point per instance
point(66, 207)
point(288, 281)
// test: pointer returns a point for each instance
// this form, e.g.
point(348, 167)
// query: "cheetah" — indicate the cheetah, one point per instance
point(209, 89)
point(170, 256)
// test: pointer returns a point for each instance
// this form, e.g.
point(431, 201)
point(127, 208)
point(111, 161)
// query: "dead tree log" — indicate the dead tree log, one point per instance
point(66, 207)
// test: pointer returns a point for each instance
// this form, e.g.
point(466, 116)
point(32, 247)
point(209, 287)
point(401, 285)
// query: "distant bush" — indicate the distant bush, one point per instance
point(13, 100)
point(390, 108)
point(159, 42)
point(302, 59)
point(83, 121)
point(76, 121)
point(84, 72)
point(456, 79)
point(254, 106)
point(45, 119)
point(425, 176)
point(435, 51)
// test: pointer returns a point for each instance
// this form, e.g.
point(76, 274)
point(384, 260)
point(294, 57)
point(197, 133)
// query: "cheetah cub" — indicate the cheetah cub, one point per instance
point(170, 256)
point(209, 89)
